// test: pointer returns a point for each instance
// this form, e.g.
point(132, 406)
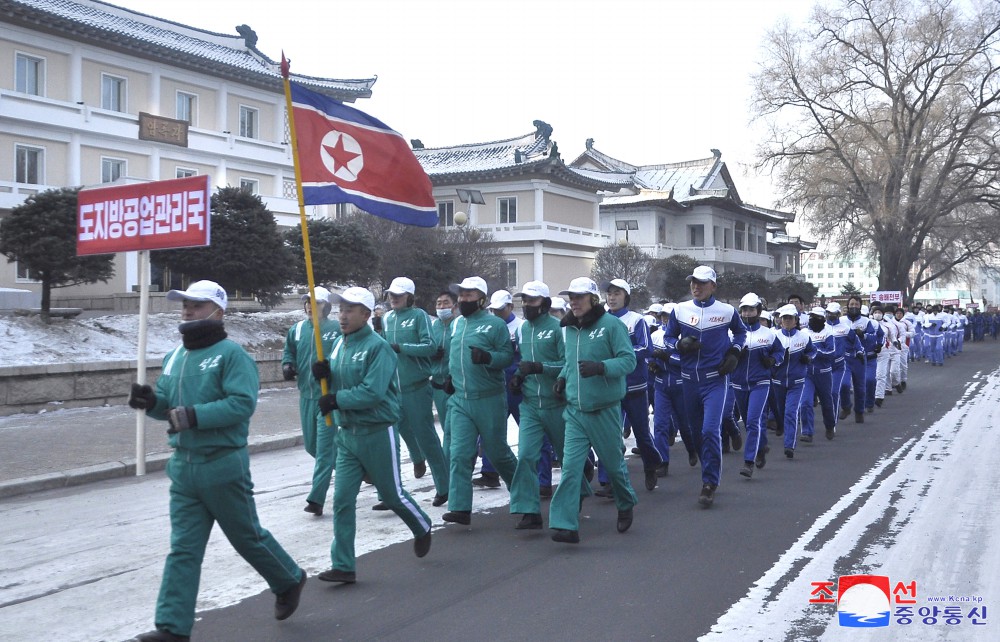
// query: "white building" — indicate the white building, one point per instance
point(830, 272)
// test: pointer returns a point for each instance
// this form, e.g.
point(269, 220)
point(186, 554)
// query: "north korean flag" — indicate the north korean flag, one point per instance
point(346, 156)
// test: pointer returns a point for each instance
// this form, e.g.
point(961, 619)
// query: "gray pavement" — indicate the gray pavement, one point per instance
point(62, 448)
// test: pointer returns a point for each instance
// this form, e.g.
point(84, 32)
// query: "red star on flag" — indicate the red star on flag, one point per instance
point(341, 157)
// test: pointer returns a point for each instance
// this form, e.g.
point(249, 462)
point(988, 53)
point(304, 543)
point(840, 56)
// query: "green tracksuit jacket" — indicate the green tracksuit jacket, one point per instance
point(410, 329)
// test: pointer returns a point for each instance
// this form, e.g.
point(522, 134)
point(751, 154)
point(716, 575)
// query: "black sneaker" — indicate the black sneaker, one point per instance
point(419, 469)
point(440, 500)
point(903, 386)
point(844, 412)
point(899, 388)
point(662, 469)
point(789, 453)
point(707, 496)
point(487, 480)
point(566, 537)
point(624, 520)
point(859, 417)
point(314, 508)
point(888, 393)
point(286, 603)
point(545, 491)
point(692, 459)
point(651, 478)
point(737, 440)
point(337, 575)
point(422, 544)
point(636, 451)
point(604, 491)
point(878, 402)
point(807, 439)
point(159, 635)
point(380, 506)
point(829, 433)
point(747, 469)
point(529, 522)
point(458, 517)
point(761, 459)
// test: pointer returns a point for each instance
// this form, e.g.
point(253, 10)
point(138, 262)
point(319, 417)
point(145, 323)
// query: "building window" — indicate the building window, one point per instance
point(251, 185)
point(248, 122)
point(716, 236)
point(112, 169)
point(741, 231)
point(829, 275)
point(696, 235)
point(112, 93)
point(727, 241)
point(446, 213)
point(24, 275)
point(288, 189)
point(761, 244)
point(184, 172)
point(29, 75)
point(29, 162)
point(661, 230)
point(187, 107)
point(510, 275)
point(507, 209)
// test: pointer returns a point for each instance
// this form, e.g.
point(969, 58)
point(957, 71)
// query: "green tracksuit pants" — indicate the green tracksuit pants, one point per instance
point(441, 405)
point(201, 494)
point(602, 430)
point(535, 424)
point(417, 418)
point(469, 419)
point(320, 442)
point(376, 453)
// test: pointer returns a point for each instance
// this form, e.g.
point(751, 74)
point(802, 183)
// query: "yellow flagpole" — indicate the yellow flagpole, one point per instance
point(317, 335)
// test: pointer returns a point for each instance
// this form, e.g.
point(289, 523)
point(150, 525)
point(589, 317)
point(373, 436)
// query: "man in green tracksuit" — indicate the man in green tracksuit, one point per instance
point(300, 354)
point(599, 355)
point(364, 392)
point(447, 310)
point(408, 331)
point(207, 392)
point(542, 358)
point(480, 349)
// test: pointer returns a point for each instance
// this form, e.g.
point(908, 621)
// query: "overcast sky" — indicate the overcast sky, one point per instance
point(652, 81)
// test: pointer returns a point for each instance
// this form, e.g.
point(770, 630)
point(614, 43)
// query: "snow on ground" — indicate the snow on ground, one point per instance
point(28, 341)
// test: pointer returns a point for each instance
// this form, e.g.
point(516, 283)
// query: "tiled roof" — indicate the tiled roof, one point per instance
point(235, 56)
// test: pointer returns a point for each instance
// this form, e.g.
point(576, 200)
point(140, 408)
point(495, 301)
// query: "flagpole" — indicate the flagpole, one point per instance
point(317, 335)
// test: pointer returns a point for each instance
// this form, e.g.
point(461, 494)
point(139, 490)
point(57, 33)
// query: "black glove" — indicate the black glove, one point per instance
point(878, 348)
point(859, 332)
point(180, 419)
point(897, 344)
point(591, 368)
point(328, 403)
point(688, 345)
point(321, 370)
point(559, 389)
point(288, 371)
point(438, 355)
point(449, 387)
point(514, 385)
point(768, 361)
point(860, 354)
point(377, 324)
point(480, 357)
point(395, 347)
point(529, 367)
point(804, 358)
point(654, 368)
point(141, 397)
point(660, 353)
point(730, 361)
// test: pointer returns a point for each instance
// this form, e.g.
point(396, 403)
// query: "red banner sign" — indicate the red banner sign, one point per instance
point(145, 216)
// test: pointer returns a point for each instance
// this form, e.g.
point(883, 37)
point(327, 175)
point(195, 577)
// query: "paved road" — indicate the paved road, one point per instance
point(840, 507)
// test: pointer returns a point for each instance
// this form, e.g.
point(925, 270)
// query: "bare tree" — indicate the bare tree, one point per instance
point(624, 261)
point(882, 123)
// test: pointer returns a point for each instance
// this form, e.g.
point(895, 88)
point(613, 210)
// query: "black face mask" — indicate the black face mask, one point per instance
point(749, 321)
point(816, 324)
point(201, 333)
point(468, 308)
point(853, 313)
point(532, 312)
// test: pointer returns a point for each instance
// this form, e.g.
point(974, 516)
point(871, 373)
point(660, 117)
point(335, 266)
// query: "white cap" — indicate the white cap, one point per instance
point(864, 310)
point(750, 300)
point(322, 295)
point(360, 296)
point(833, 307)
point(668, 307)
point(787, 310)
point(655, 308)
point(474, 283)
point(499, 299)
point(581, 285)
point(703, 273)
point(558, 303)
point(201, 291)
point(618, 283)
point(534, 288)
point(651, 320)
point(401, 285)
point(818, 311)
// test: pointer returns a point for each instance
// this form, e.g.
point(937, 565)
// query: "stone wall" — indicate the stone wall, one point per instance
point(77, 385)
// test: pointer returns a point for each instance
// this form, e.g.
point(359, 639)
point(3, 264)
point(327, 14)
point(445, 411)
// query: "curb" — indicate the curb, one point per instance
point(124, 468)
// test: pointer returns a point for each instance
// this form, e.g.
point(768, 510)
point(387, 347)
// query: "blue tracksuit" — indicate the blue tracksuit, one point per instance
point(789, 382)
point(819, 382)
point(705, 390)
point(751, 382)
point(668, 406)
point(934, 332)
point(857, 368)
point(872, 342)
point(635, 405)
point(847, 347)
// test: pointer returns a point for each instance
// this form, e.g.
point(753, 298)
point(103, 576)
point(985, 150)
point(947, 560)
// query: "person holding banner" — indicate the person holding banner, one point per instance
point(207, 393)
point(299, 354)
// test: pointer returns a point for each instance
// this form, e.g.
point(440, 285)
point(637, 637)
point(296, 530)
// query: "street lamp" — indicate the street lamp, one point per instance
point(470, 197)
